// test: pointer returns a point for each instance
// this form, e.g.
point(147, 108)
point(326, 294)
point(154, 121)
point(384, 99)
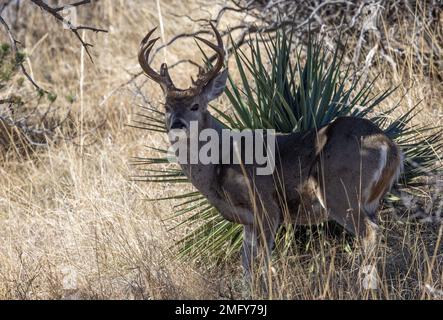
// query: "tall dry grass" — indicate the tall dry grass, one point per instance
point(74, 225)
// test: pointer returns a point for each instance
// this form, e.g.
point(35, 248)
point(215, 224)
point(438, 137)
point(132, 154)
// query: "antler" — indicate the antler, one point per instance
point(203, 78)
point(165, 80)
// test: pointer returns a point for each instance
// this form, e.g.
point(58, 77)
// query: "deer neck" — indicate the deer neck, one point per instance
point(203, 176)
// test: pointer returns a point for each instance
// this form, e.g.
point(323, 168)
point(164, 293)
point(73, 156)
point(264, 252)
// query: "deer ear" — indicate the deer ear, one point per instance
point(216, 86)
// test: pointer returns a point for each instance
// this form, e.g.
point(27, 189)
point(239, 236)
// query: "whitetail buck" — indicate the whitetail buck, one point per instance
point(339, 172)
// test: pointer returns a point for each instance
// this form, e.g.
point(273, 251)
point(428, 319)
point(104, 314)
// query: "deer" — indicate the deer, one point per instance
point(340, 171)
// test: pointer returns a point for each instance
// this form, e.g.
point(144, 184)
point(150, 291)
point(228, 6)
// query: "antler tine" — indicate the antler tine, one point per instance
point(148, 35)
point(204, 78)
point(163, 78)
point(165, 73)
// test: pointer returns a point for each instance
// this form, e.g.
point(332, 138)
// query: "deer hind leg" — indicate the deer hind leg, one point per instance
point(364, 226)
point(356, 221)
point(342, 202)
point(389, 168)
point(352, 191)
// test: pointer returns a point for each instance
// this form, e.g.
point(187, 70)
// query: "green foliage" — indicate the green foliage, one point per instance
point(51, 97)
point(70, 98)
point(19, 57)
point(16, 100)
point(5, 49)
point(291, 89)
point(20, 81)
point(9, 64)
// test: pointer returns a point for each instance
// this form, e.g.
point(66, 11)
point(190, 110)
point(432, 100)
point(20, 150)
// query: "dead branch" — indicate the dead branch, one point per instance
point(74, 28)
point(331, 17)
point(55, 13)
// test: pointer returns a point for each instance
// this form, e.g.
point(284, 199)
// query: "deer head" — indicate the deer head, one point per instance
point(185, 105)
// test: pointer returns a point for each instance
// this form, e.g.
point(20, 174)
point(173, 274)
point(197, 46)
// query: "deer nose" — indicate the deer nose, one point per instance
point(178, 124)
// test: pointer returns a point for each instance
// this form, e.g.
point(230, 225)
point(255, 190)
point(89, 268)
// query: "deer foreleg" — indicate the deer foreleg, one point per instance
point(249, 250)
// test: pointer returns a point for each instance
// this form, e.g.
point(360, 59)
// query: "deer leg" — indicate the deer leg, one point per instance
point(369, 235)
point(267, 231)
point(364, 227)
point(267, 240)
point(258, 242)
point(360, 224)
point(343, 205)
point(249, 250)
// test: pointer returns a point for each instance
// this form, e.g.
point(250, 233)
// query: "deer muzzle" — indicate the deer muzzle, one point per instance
point(178, 124)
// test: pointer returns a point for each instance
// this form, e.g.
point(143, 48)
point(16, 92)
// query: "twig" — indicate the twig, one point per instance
point(75, 29)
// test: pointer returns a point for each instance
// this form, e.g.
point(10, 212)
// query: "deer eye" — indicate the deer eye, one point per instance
point(195, 107)
point(167, 108)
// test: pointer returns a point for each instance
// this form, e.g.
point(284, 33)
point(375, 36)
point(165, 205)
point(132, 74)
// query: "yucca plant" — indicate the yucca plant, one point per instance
point(290, 89)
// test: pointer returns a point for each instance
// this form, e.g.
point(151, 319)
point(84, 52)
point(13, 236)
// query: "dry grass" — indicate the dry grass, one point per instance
point(73, 225)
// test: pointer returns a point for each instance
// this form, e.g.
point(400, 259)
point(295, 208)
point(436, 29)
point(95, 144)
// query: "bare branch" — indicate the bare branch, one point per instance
point(184, 61)
point(75, 29)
